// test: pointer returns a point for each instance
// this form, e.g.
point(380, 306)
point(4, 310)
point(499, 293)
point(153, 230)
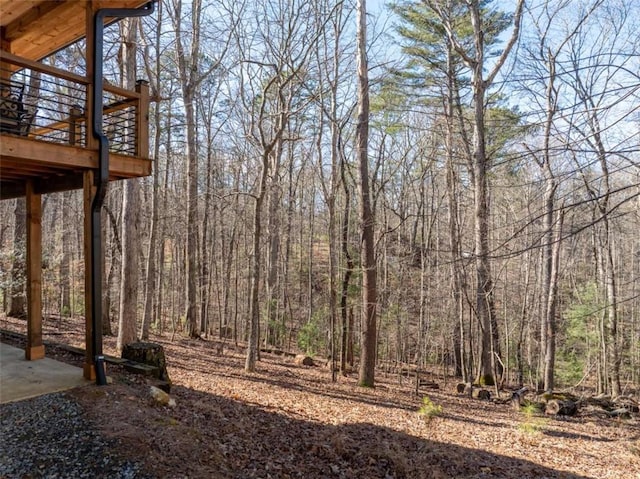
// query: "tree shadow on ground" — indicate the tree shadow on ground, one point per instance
point(210, 436)
point(573, 435)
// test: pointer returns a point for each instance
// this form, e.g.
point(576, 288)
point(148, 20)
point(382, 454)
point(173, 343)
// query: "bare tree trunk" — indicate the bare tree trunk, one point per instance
point(188, 81)
point(227, 265)
point(273, 258)
point(549, 289)
point(127, 320)
point(127, 327)
point(108, 286)
point(204, 256)
point(348, 271)
point(369, 287)
point(461, 369)
point(475, 60)
point(159, 309)
point(191, 273)
point(606, 274)
point(151, 283)
point(110, 230)
point(254, 311)
point(608, 267)
point(484, 282)
point(17, 305)
point(66, 309)
point(552, 301)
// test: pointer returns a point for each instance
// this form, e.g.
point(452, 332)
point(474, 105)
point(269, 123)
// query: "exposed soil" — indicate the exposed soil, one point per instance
point(289, 421)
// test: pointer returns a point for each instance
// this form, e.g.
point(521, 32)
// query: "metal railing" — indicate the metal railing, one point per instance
point(48, 104)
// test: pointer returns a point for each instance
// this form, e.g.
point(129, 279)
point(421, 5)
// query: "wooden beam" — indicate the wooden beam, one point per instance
point(10, 190)
point(13, 166)
point(67, 157)
point(46, 154)
point(59, 183)
point(22, 23)
point(41, 186)
point(50, 32)
point(89, 192)
point(10, 10)
point(35, 347)
point(14, 185)
point(5, 68)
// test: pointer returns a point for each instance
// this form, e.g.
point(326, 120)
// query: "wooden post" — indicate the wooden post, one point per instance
point(142, 120)
point(89, 191)
point(35, 347)
point(75, 114)
point(91, 142)
point(5, 68)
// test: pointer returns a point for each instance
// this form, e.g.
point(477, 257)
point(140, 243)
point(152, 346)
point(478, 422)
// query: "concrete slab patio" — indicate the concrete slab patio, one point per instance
point(22, 379)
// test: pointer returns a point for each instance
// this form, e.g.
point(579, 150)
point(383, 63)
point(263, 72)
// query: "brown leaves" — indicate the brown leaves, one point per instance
point(289, 421)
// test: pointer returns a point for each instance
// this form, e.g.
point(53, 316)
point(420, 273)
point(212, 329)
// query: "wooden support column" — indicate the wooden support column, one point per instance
point(142, 120)
point(35, 347)
point(5, 68)
point(89, 191)
point(90, 10)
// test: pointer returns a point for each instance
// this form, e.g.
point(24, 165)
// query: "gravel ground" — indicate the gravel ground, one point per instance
point(49, 437)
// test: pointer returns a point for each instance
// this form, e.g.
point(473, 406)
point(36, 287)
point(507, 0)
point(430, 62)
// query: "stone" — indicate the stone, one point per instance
point(161, 397)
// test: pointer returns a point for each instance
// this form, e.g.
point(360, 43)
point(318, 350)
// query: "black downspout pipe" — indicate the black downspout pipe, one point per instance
point(102, 179)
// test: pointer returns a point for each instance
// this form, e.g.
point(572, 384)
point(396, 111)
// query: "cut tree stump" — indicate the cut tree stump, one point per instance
point(151, 354)
point(481, 394)
point(556, 407)
point(302, 360)
point(517, 398)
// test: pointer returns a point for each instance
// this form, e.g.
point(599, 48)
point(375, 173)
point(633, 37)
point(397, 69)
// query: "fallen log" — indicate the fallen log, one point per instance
point(557, 407)
point(558, 396)
point(622, 413)
point(603, 402)
point(623, 402)
point(424, 383)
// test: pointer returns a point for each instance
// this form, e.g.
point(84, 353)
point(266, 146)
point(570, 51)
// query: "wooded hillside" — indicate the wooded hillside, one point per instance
point(503, 164)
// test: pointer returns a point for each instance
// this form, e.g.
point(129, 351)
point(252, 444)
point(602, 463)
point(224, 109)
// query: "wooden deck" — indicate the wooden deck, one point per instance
point(44, 133)
point(47, 138)
point(55, 167)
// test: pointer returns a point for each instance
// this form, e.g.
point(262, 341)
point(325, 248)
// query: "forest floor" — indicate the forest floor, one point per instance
point(288, 421)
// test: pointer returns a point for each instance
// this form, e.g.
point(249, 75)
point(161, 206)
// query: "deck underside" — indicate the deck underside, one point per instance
point(55, 167)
